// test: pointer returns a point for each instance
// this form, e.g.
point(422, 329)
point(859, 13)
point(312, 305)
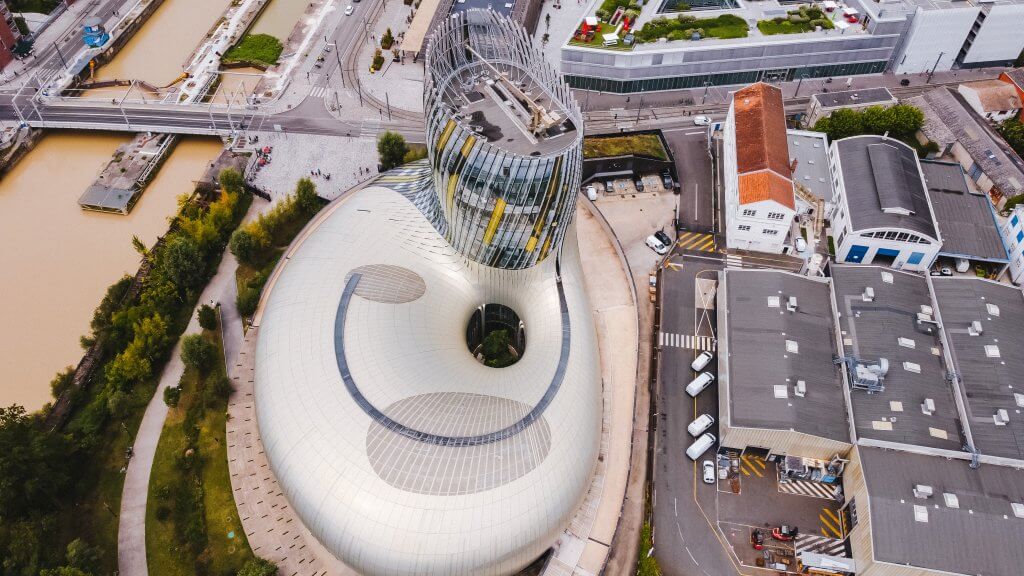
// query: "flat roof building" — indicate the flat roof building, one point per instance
point(982, 321)
point(966, 220)
point(889, 315)
point(823, 104)
point(808, 153)
point(920, 515)
point(777, 384)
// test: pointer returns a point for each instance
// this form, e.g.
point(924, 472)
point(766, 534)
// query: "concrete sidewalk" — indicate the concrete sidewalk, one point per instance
point(131, 530)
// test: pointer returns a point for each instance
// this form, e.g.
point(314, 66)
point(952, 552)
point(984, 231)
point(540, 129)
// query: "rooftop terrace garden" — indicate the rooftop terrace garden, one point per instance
point(638, 144)
point(804, 19)
point(683, 27)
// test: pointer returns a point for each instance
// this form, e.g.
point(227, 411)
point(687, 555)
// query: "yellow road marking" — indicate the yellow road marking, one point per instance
point(744, 470)
point(827, 525)
point(709, 244)
point(832, 515)
point(683, 237)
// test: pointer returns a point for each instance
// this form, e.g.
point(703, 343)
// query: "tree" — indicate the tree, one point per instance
point(140, 247)
point(305, 197)
point(207, 317)
point(181, 262)
point(1012, 131)
point(495, 349)
point(903, 120)
point(64, 571)
point(248, 245)
point(82, 556)
point(198, 353)
point(172, 394)
point(118, 404)
point(34, 465)
point(392, 148)
point(247, 302)
point(258, 567)
point(101, 317)
point(231, 180)
point(843, 123)
point(128, 368)
point(62, 381)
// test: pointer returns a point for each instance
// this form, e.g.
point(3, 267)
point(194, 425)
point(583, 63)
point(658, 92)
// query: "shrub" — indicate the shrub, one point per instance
point(247, 301)
point(387, 40)
point(198, 353)
point(207, 316)
point(378, 61)
point(172, 395)
point(249, 245)
point(218, 386)
point(261, 49)
point(391, 148)
point(258, 567)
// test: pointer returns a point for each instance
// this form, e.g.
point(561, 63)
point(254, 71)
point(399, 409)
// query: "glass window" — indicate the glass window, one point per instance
point(769, 232)
point(776, 215)
point(1020, 235)
point(749, 212)
point(744, 227)
point(1014, 220)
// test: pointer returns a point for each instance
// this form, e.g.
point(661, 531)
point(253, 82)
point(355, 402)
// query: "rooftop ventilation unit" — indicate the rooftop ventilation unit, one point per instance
point(1019, 399)
point(773, 301)
point(868, 295)
point(992, 351)
point(922, 491)
point(993, 310)
point(887, 277)
point(920, 513)
point(1001, 417)
point(781, 391)
point(928, 406)
point(975, 328)
point(906, 342)
point(912, 367)
point(1018, 509)
point(792, 346)
point(801, 389)
point(864, 376)
point(927, 310)
point(951, 500)
point(791, 304)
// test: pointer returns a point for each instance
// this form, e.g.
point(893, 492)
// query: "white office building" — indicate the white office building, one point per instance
point(882, 212)
point(1013, 236)
point(759, 199)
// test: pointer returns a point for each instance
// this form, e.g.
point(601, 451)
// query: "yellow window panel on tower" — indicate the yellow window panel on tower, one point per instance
point(448, 129)
point(492, 225)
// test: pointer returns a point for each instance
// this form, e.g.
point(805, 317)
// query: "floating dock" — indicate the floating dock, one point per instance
point(124, 178)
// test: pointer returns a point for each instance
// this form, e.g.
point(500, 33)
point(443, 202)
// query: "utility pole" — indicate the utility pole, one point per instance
point(388, 101)
point(798, 84)
point(930, 73)
point(63, 61)
point(638, 109)
point(707, 85)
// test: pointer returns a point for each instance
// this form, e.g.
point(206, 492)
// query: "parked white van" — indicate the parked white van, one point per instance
point(700, 446)
point(702, 381)
point(701, 361)
point(700, 425)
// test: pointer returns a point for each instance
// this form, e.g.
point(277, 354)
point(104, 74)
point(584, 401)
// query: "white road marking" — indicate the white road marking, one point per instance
point(674, 509)
point(680, 532)
point(691, 556)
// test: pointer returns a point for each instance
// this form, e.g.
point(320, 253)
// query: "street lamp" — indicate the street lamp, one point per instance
point(707, 85)
point(799, 82)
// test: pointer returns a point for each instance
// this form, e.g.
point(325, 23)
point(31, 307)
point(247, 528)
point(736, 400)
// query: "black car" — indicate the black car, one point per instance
point(666, 179)
point(639, 185)
point(663, 238)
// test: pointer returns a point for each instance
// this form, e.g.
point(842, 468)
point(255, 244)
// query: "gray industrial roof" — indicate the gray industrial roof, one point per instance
point(761, 332)
point(966, 220)
point(862, 97)
point(981, 536)
point(873, 330)
point(810, 150)
point(990, 376)
point(948, 120)
point(881, 174)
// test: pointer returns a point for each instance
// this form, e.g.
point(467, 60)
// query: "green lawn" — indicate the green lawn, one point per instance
point(226, 548)
point(639, 144)
point(682, 27)
point(804, 19)
point(259, 49)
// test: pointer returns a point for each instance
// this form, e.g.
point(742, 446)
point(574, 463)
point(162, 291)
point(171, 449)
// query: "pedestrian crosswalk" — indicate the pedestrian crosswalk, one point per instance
point(697, 241)
point(807, 488)
point(318, 91)
point(820, 545)
point(733, 261)
point(686, 341)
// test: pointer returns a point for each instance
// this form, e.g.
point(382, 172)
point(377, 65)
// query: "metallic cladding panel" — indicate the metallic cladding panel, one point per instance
point(500, 207)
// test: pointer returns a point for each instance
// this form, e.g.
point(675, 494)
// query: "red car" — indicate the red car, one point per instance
point(784, 533)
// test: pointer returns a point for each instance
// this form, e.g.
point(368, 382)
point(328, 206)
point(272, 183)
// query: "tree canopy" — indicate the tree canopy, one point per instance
point(898, 121)
point(392, 148)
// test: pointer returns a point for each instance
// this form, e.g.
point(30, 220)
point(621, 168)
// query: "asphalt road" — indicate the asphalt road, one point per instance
point(685, 543)
point(693, 168)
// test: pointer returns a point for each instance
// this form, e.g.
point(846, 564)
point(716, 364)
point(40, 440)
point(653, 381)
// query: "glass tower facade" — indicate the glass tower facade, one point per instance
point(504, 137)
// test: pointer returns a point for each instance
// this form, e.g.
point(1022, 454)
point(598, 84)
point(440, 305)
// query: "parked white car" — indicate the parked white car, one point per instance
point(701, 120)
point(701, 361)
point(700, 425)
point(348, 10)
point(701, 446)
point(656, 245)
point(698, 384)
point(709, 472)
point(801, 244)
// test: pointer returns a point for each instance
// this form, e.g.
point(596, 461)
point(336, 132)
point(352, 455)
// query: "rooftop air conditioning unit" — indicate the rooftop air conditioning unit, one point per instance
point(801, 389)
point(928, 406)
point(791, 304)
point(951, 500)
point(976, 329)
point(926, 310)
point(868, 295)
point(922, 491)
point(1001, 417)
point(880, 369)
point(993, 310)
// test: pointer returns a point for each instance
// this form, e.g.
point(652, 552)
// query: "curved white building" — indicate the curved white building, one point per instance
point(400, 450)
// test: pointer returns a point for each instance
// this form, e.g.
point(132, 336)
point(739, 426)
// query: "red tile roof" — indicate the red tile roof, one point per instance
point(761, 144)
